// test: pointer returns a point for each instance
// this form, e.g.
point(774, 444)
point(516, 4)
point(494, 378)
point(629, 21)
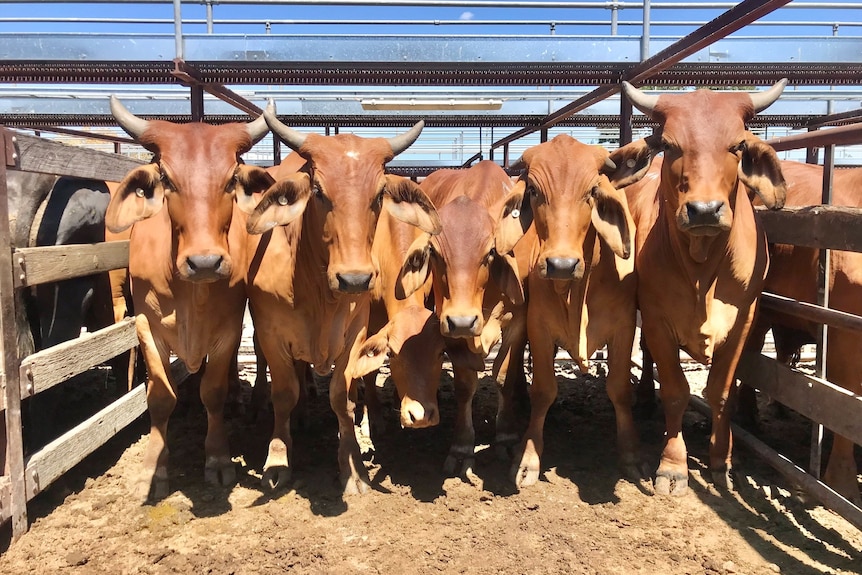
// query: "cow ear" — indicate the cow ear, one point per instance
point(139, 196)
point(611, 217)
point(281, 204)
point(415, 269)
point(250, 180)
point(515, 218)
point(631, 162)
point(760, 172)
point(504, 272)
point(372, 354)
point(406, 202)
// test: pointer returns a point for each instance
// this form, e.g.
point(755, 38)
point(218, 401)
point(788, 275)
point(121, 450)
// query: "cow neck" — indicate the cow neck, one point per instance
point(699, 257)
point(575, 294)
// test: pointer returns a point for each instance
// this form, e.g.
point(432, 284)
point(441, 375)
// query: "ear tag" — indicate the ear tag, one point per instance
point(282, 200)
point(139, 192)
point(370, 353)
point(515, 213)
point(630, 163)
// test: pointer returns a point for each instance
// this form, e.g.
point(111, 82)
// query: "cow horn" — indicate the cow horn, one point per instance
point(257, 128)
point(763, 100)
point(640, 99)
point(609, 164)
point(133, 125)
point(289, 136)
point(403, 141)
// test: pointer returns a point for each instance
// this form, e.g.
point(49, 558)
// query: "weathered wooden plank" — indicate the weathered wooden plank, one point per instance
point(51, 263)
point(59, 456)
point(811, 312)
point(835, 407)
point(40, 155)
point(795, 474)
point(47, 368)
point(5, 498)
point(831, 227)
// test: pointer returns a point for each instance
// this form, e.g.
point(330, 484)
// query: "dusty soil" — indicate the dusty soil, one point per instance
point(581, 518)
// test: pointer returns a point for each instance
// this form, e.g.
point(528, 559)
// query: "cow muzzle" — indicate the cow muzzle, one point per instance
point(205, 268)
point(557, 268)
point(417, 415)
point(704, 218)
point(353, 282)
point(461, 325)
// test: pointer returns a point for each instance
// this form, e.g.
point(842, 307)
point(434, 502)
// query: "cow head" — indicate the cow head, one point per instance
point(707, 153)
point(412, 342)
point(571, 195)
point(342, 189)
point(198, 173)
point(472, 250)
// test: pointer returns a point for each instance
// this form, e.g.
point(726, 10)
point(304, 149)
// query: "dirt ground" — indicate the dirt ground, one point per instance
point(581, 518)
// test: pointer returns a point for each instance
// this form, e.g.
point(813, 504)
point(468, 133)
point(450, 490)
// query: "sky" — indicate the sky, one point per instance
point(467, 16)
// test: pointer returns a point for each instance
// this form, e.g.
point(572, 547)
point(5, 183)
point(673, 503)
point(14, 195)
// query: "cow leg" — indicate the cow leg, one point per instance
point(543, 392)
point(645, 402)
point(352, 472)
point(843, 369)
point(746, 402)
point(619, 392)
point(161, 400)
point(720, 385)
point(285, 395)
point(672, 474)
point(219, 469)
point(512, 390)
point(373, 406)
point(462, 455)
point(261, 391)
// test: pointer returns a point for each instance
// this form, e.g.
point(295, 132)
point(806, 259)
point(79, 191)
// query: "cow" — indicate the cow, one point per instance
point(187, 267)
point(477, 288)
point(581, 284)
point(311, 273)
point(793, 273)
point(701, 256)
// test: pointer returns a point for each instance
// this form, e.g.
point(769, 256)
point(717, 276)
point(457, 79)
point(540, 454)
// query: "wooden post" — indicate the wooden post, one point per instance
point(9, 344)
point(625, 120)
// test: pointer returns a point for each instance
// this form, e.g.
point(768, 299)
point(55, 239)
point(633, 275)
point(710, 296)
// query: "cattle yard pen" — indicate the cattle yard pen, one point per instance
point(694, 59)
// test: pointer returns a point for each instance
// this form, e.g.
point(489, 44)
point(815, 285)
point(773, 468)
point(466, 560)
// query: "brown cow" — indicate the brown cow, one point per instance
point(477, 290)
point(311, 272)
point(701, 256)
point(187, 266)
point(793, 273)
point(581, 284)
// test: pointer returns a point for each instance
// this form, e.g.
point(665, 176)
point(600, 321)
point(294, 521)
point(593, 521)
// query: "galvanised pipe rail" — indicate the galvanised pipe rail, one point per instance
point(610, 5)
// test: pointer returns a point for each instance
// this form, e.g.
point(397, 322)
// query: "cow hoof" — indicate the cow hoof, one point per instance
point(355, 486)
point(458, 465)
point(722, 479)
point(671, 484)
point(220, 473)
point(275, 477)
point(524, 475)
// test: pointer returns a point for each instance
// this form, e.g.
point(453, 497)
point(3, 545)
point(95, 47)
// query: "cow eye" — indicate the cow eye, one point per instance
point(740, 147)
point(166, 183)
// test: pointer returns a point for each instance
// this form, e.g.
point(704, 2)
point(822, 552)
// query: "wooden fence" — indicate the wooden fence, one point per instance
point(22, 377)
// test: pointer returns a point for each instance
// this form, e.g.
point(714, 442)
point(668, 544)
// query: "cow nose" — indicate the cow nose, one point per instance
point(561, 268)
point(353, 282)
point(704, 213)
point(204, 266)
point(416, 415)
point(462, 324)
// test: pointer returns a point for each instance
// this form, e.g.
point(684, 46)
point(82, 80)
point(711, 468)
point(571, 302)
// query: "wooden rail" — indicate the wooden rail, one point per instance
point(27, 376)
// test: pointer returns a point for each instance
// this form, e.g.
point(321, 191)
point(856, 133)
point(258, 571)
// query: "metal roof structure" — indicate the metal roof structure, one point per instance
point(361, 80)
